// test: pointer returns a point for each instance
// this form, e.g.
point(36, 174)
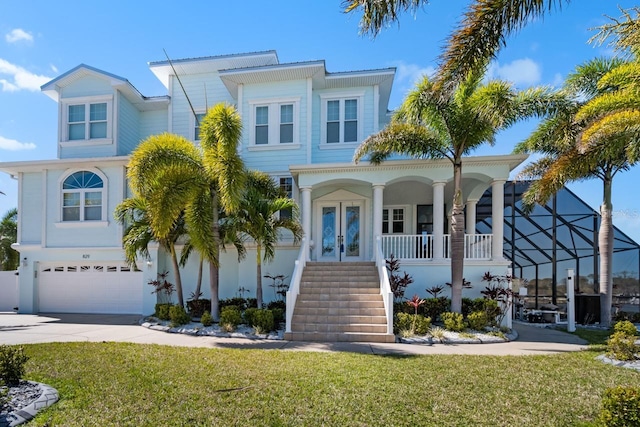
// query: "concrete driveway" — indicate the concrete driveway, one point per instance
point(33, 329)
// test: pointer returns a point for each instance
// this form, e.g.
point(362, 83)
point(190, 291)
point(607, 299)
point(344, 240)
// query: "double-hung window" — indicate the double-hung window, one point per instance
point(342, 119)
point(82, 197)
point(87, 120)
point(393, 221)
point(274, 122)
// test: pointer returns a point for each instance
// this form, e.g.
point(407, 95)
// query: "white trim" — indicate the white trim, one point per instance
point(87, 101)
point(339, 146)
point(273, 105)
point(341, 96)
point(19, 225)
point(309, 116)
point(376, 108)
point(81, 224)
point(270, 147)
point(104, 190)
point(45, 210)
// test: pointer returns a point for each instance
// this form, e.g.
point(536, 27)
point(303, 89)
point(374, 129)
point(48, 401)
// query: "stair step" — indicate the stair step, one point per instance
point(319, 289)
point(339, 337)
point(328, 327)
point(339, 319)
point(305, 304)
point(335, 311)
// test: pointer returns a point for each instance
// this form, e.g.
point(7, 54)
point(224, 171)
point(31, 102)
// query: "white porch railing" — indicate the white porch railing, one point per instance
point(294, 286)
point(385, 287)
point(417, 246)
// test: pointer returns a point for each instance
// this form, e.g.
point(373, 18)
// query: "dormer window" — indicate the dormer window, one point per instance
point(87, 119)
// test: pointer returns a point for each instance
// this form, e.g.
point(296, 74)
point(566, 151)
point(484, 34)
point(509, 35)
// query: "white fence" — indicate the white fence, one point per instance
point(8, 290)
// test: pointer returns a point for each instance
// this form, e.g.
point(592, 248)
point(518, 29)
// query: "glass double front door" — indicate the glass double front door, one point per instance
point(341, 231)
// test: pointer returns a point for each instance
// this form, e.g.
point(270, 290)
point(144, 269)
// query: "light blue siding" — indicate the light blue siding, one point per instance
point(278, 158)
point(152, 123)
point(82, 236)
point(203, 90)
point(31, 209)
point(339, 155)
point(87, 151)
point(87, 86)
point(127, 128)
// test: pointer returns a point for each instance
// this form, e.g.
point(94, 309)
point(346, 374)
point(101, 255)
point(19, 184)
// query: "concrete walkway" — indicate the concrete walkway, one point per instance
point(33, 329)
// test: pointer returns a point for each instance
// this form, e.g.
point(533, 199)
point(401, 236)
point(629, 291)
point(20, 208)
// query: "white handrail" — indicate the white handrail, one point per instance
point(420, 246)
point(294, 286)
point(385, 287)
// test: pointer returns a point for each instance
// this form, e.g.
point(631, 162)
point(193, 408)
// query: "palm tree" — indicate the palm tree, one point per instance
point(427, 126)
point(259, 219)
point(175, 177)
point(9, 257)
point(485, 26)
point(135, 215)
point(560, 140)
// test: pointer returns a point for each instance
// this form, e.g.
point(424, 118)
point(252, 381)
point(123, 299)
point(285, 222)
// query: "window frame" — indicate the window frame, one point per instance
point(390, 221)
point(278, 180)
point(274, 122)
point(82, 205)
point(195, 123)
point(64, 125)
point(341, 98)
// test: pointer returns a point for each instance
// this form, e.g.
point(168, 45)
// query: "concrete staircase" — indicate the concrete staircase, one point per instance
point(339, 302)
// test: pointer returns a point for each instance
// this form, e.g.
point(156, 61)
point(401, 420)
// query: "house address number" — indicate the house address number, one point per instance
point(86, 256)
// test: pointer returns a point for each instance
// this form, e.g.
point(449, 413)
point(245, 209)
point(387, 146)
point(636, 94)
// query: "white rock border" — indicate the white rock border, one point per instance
point(634, 364)
point(48, 397)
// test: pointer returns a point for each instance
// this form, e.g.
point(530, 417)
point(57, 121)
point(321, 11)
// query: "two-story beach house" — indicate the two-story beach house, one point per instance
point(301, 124)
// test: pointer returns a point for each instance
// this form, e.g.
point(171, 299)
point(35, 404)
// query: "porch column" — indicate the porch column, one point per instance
point(438, 219)
point(305, 193)
point(378, 190)
point(470, 224)
point(497, 218)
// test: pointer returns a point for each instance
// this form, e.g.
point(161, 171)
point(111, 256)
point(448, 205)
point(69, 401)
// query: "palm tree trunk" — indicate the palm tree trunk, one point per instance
point(457, 239)
point(199, 281)
point(258, 276)
point(605, 246)
point(176, 269)
point(214, 267)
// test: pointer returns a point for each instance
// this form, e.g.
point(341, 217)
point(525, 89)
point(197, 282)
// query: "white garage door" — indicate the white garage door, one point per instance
point(90, 288)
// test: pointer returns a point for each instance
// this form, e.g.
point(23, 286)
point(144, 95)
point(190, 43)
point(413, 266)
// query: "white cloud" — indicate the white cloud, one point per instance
point(411, 74)
point(521, 72)
point(13, 145)
point(19, 78)
point(54, 68)
point(17, 35)
point(558, 80)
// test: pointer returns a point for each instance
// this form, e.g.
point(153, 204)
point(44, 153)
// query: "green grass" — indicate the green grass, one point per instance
point(103, 384)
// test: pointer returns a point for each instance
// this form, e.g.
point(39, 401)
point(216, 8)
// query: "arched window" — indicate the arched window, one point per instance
point(82, 197)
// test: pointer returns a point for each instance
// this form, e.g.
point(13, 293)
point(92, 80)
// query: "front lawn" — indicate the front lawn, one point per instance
point(120, 384)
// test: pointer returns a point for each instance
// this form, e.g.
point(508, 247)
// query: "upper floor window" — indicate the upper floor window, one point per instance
point(342, 119)
point(274, 122)
point(82, 197)
point(196, 127)
point(393, 220)
point(87, 119)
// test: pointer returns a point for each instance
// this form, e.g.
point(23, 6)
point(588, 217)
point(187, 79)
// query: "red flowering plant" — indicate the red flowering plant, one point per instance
point(416, 302)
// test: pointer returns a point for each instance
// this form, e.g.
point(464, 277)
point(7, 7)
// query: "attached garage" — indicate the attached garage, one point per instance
point(110, 288)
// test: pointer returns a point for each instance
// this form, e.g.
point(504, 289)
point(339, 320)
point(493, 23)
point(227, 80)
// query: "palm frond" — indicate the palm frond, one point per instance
point(378, 14)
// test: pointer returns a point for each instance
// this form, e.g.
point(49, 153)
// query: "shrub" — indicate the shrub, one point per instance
point(626, 327)
point(478, 320)
point(162, 310)
point(453, 321)
point(198, 306)
point(4, 395)
point(206, 318)
point(278, 315)
point(12, 361)
point(434, 307)
point(621, 407)
point(622, 346)
point(437, 332)
point(263, 321)
point(241, 303)
point(411, 324)
point(248, 315)
point(401, 307)
point(492, 309)
point(178, 316)
point(231, 316)
point(282, 305)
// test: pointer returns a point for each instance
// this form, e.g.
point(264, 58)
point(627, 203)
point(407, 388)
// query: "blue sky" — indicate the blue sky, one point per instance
point(41, 39)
